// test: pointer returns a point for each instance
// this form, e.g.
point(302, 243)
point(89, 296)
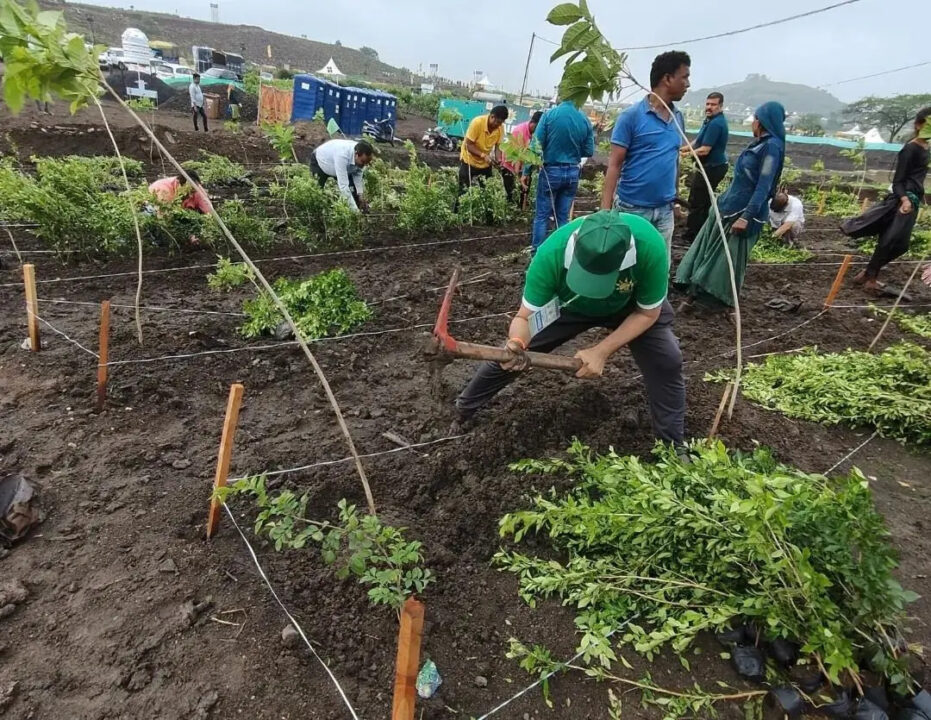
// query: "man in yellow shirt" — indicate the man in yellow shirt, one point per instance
point(480, 147)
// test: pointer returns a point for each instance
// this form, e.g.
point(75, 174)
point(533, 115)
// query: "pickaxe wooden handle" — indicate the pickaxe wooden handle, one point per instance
point(446, 343)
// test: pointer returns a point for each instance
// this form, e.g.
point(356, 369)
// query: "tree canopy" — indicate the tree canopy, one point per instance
point(809, 125)
point(369, 52)
point(890, 114)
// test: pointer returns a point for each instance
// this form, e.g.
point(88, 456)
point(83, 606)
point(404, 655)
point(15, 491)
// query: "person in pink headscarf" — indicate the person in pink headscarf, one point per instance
point(520, 135)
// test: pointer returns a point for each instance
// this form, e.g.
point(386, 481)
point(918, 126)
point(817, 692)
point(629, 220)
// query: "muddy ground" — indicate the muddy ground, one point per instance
point(131, 614)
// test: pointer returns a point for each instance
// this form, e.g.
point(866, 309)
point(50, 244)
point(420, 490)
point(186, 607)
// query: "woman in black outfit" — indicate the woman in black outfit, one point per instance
point(894, 218)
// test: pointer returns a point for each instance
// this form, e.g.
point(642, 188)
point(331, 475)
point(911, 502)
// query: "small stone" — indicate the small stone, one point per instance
point(181, 464)
point(290, 637)
point(73, 588)
point(12, 592)
point(168, 566)
point(481, 681)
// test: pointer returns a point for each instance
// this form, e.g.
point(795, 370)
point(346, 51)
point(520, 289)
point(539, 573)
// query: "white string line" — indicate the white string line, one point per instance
point(271, 346)
point(290, 617)
point(559, 667)
point(774, 337)
point(874, 305)
point(849, 455)
point(272, 473)
point(474, 281)
point(421, 326)
point(383, 248)
point(71, 340)
point(143, 307)
point(830, 264)
point(778, 352)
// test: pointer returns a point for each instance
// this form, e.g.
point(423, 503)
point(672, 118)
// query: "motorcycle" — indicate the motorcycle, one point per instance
point(380, 131)
point(437, 139)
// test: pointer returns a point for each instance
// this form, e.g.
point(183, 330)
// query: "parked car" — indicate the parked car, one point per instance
point(220, 73)
point(110, 58)
point(171, 70)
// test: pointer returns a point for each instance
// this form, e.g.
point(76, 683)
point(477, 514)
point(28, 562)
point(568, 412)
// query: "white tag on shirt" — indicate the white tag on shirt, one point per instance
point(544, 317)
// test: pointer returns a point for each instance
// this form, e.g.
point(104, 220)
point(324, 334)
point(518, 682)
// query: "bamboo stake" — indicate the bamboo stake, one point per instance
point(225, 454)
point(821, 204)
point(32, 306)
point(838, 280)
point(408, 660)
point(104, 353)
point(865, 205)
point(720, 413)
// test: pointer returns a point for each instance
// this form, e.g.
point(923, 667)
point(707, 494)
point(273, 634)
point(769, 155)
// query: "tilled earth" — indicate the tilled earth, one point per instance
point(131, 614)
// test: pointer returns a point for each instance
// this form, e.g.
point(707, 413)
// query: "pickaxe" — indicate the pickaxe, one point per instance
point(445, 343)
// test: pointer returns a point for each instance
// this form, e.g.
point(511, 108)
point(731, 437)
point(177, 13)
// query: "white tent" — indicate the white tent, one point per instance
point(485, 82)
point(874, 136)
point(853, 133)
point(330, 70)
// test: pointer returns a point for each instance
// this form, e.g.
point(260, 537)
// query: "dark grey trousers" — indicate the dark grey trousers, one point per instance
point(656, 353)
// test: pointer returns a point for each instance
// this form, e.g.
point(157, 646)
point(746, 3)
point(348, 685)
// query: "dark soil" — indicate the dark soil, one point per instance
point(106, 632)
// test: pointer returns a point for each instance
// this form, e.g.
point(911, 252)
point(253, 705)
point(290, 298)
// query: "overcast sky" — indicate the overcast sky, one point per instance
point(493, 36)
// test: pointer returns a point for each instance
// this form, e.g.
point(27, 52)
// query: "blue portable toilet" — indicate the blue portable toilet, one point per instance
point(308, 97)
point(352, 121)
point(391, 108)
point(332, 102)
point(365, 97)
point(378, 103)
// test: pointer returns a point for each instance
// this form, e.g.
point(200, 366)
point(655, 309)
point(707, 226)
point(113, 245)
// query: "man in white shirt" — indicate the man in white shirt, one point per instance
point(346, 161)
point(787, 217)
point(197, 101)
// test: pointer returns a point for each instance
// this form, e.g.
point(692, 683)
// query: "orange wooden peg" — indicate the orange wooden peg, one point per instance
point(226, 453)
point(728, 389)
point(104, 355)
point(408, 660)
point(32, 306)
point(835, 288)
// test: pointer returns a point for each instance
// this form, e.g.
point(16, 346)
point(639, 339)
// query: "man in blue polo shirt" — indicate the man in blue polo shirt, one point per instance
point(564, 136)
point(645, 148)
point(607, 270)
point(711, 148)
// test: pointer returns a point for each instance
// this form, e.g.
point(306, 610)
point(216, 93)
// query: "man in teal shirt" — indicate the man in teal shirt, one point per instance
point(711, 147)
point(564, 135)
point(607, 270)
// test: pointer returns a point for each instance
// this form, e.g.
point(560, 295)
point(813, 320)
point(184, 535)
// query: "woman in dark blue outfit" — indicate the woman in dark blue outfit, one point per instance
point(744, 206)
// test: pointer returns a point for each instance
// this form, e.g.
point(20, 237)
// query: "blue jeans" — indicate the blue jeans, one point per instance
point(662, 218)
point(556, 188)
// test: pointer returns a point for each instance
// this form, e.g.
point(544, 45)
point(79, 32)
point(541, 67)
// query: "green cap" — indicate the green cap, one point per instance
point(601, 243)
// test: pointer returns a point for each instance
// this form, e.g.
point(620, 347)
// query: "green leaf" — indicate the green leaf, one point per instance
point(564, 14)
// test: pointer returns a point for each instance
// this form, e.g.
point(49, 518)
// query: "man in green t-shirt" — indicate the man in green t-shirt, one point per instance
point(607, 270)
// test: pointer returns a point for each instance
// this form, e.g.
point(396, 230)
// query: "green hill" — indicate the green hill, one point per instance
point(757, 89)
point(106, 26)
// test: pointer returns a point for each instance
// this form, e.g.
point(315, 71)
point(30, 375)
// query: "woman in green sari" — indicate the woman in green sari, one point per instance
point(744, 206)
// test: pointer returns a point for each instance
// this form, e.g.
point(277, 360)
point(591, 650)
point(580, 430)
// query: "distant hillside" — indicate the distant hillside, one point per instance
point(250, 41)
point(757, 89)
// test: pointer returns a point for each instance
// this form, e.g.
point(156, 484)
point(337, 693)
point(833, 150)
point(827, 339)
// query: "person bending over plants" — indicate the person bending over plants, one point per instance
point(609, 270)
point(167, 189)
point(893, 219)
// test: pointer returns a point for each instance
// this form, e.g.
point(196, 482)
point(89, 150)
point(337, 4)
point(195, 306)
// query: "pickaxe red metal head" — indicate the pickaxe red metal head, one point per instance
point(441, 329)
